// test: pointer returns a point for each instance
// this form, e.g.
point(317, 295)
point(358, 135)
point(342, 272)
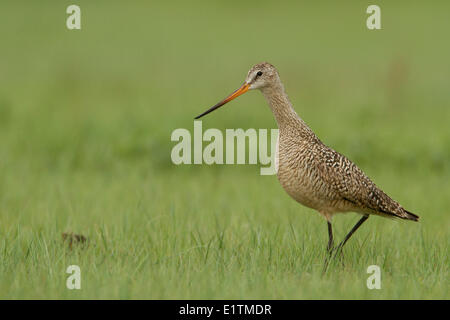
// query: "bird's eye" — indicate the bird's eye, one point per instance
point(259, 73)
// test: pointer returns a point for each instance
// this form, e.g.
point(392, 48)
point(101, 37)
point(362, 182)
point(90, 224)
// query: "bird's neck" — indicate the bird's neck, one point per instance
point(285, 115)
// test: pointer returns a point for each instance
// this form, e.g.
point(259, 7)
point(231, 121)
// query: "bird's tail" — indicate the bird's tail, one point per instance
point(410, 216)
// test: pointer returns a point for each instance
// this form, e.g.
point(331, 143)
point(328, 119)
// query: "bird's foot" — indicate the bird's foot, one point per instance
point(339, 254)
point(332, 254)
point(329, 256)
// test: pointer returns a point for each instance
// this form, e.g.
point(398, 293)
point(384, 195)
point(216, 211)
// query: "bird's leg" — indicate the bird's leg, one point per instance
point(357, 225)
point(329, 247)
point(330, 237)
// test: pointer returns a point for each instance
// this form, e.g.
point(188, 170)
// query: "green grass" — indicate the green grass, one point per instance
point(85, 124)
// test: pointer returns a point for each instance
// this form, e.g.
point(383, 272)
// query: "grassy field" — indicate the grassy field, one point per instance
point(85, 123)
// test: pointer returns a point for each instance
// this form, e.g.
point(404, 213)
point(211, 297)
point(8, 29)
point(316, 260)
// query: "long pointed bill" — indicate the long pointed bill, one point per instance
point(235, 94)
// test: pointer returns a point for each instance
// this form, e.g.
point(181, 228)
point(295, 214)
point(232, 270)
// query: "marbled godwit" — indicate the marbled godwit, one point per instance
point(311, 172)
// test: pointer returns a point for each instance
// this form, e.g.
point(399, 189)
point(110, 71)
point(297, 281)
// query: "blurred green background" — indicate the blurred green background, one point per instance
point(85, 123)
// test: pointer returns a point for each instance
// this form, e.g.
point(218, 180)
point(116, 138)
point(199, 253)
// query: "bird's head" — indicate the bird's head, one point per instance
point(260, 76)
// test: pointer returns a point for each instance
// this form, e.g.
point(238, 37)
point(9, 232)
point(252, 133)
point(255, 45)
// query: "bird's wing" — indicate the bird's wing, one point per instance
point(351, 184)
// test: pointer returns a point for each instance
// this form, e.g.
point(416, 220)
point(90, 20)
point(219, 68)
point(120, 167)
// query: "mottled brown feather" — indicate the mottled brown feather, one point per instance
point(311, 172)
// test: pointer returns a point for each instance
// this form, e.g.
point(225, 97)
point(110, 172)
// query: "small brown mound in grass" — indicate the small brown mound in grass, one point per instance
point(73, 238)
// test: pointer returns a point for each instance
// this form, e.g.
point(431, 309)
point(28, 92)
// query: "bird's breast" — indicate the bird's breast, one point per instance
point(298, 173)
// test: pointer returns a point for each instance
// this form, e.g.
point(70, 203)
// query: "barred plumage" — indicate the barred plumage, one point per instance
point(313, 173)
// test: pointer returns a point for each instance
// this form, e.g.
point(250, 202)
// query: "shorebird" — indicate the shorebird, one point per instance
point(312, 173)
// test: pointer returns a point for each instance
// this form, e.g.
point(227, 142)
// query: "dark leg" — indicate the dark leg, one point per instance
point(330, 237)
point(357, 225)
point(329, 247)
